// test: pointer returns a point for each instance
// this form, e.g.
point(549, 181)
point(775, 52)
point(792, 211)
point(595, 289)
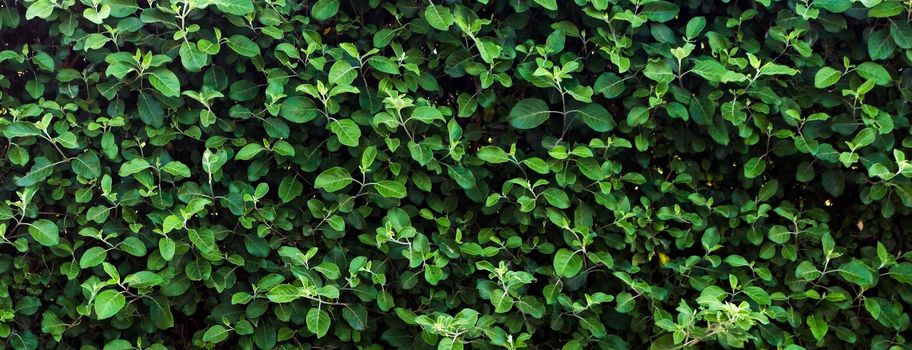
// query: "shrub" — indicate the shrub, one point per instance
point(483, 174)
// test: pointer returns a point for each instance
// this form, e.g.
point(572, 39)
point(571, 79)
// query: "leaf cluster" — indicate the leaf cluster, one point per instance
point(490, 174)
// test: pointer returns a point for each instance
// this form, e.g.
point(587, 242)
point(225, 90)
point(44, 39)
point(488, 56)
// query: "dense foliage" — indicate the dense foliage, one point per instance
point(522, 174)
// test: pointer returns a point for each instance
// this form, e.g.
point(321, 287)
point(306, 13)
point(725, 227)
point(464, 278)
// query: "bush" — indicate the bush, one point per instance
point(459, 174)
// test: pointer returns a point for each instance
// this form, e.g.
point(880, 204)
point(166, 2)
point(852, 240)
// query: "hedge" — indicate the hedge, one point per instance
point(455, 174)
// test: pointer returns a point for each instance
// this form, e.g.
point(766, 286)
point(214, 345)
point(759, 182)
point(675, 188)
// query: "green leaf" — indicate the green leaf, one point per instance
point(95, 41)
point(886, 9)
point(777, 69)
point(758, 295)
point(880, 45)
point(108, 303)
point(347, 131)
point(133, 246)
point(857, 272)
point(875, 72)
point(695, 26)
point(41, 169)
point(383, 37)
point(342, 73)
point(277, 128)
point(493, 155)
point(502, 301)
point(660, 11)
point(529, 113)
point(709, 69)
point(835, 6)
point(826, 77)
point(98, 214)
point(171, 223)
point(818, 326)
point(243, 46)
point(902, 272)
point(438, 17)
point(290, 188)
point(567, 263)
point(625, 302)
point(488, 49)
point(556, 197)
point(20, 129)
point(659, 71)
point(450, 344)
point(92, 257)
point(87, 165)
point(133, 166)
point(249, 151)
point(203, 239)
point(779, 234)
point(284, 293)
point(609, 85)
point(548, 4)
point(45, 232)
point(165, 82)
point(143, 279)
point(333, 179)
point(150, 110)
point(864, 137)
point(177, 169)
point(317, 321)
point(235, 7)
point(754, 167)
point(324, 9)
point(40, 9)
point(596, 117)
point(391, 189)
point(463, 176)
point(166, 248)
point(426, 114)
point(901, 32)
point(216, 334)
point(637, 115)
point(356, 315)
point(299, 110)
point(191, 57)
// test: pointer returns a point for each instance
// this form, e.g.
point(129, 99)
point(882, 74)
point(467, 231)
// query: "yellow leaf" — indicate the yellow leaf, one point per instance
point(663, 258)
